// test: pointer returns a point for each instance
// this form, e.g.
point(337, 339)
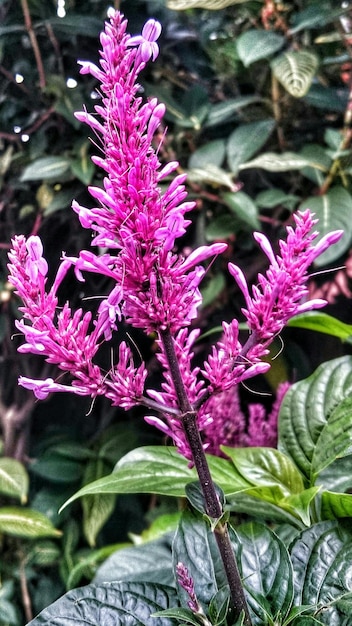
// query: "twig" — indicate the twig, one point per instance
point(34, 42)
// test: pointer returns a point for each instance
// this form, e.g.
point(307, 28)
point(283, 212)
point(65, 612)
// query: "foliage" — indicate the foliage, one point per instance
point(257, 108)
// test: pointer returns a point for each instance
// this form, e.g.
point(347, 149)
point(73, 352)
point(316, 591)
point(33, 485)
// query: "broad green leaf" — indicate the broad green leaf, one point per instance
point(243, 207)
point(26, 523)
point(335, 505)
point(295, 70)
point(83, 168)
point(311, 17)
point(162, 470)
point(47, 168)
point(211, 175)
point(321, 557)
point(183, 616)
point(284, 162)
point(61, 200)
point(246, 140)
point(212, 153)
point(271, 198)
point(266, 571)
point(306, 409)
point(57, 468)
point(222, 227)
point(150, 562)
point(327, 98)
point(300, 503)
point(88, 562)
point(151, 469)
point(322, 323)
point(119, 603)
point(221, 112)
point(333, 138)
point(166, 523)
point(9, 613)
point(335, 439)
point(194, 545)
point(334, 212)
point(337, 476)
point(266, 467)
point(314, 153)
point(260, 504)
point(86, 25)
point(213, 5)
point(257, 44)
point(98, 507)
point(13, 479)
point(43, 553)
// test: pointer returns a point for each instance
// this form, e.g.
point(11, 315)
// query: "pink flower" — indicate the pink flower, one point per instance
point(281, 293)
point(148, 48)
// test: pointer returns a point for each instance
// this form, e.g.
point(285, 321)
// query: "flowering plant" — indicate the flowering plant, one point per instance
point(156, 289)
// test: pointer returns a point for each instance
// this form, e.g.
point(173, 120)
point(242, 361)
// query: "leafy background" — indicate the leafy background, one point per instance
point(258, 114)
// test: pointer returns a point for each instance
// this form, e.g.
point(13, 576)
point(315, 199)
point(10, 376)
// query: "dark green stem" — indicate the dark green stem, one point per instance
point(212, 505)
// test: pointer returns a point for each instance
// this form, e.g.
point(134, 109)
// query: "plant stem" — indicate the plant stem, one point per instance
point(212, 505)
point(34, 42)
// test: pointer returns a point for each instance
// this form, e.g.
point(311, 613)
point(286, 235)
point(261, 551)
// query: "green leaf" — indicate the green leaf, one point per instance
point(321, 557)
point(195, 546)
point(195, 496)
point(327, 98)
point(75, 24)
point(334, 212)
point(211, 175)
point(222, 227)
point(336, 477)
point(221, 112)
point(185, 616)
point(219, 606)
point(300, 503)
point(285, 162)
point(306, 409)
point(13, 479)
point(150, 469)
point(44, 553)
point(57, 468)
point(212, 153)
point(335, 505)
point(262, 504)
point(98, 507)
point(110, 603)
point(47, 168)
point(246, 140)
point(83, 168)
point(335, 439)
point(271, 198)
point(257, 44)
point(162, 470)
point(26, 523)
point(295, 70)
point(322, 323)
point(266, 571)
point(243, 207)
point(150, 562)
point(318, 155)
point(311, 17)
point(266, 467)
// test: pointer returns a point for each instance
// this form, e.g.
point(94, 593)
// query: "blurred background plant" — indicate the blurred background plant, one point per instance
point(258, 97)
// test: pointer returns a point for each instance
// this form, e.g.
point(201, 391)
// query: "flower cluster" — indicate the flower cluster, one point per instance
point(138, 217)
point(227, 424)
